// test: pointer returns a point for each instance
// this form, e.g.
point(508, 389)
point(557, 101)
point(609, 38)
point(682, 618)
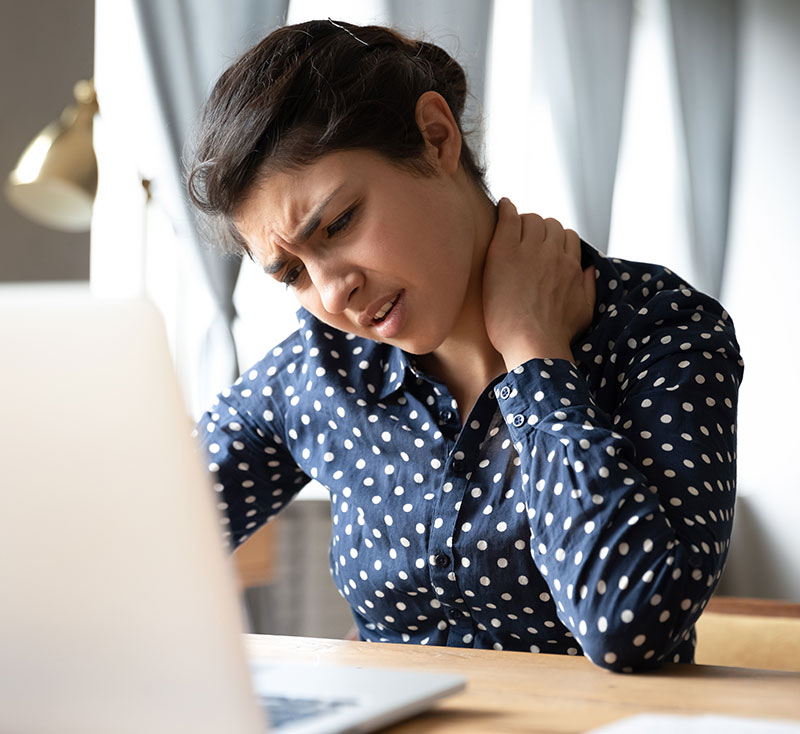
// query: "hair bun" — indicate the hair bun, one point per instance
point(449, 76)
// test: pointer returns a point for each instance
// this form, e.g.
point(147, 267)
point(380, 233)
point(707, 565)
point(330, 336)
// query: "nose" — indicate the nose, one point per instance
point(336, 284)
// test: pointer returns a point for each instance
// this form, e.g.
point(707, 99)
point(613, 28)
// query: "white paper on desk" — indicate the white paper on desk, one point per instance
point(703, 724)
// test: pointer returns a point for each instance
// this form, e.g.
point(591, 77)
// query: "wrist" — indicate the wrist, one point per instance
point(521, 352)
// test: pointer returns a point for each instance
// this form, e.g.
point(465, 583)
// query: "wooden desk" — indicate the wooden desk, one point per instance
point(522, 692)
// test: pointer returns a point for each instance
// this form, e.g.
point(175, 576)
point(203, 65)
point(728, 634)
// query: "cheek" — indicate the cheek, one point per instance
point(309, 299)
point(394, 239)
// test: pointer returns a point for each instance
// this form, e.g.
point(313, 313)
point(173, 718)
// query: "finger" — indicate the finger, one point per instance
point(509, 222)
point(572, 244)
point(533, 229)
point(555, 232)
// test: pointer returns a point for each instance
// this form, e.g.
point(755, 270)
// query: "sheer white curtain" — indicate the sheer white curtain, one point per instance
point(582, 49)
point(155, 64)
point(706, 40)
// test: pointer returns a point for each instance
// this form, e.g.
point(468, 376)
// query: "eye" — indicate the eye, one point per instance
point(292, 276)
point(342, 223)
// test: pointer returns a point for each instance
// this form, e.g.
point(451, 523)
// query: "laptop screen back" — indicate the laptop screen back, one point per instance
point(117, 613)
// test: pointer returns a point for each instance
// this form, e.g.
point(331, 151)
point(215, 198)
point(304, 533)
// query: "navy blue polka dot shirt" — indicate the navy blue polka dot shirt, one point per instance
point(580, 508)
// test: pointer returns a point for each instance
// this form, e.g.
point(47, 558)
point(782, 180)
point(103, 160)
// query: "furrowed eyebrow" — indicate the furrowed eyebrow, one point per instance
point(275, 266)
point(312, 223)
point(315, 218)
point(306, 230)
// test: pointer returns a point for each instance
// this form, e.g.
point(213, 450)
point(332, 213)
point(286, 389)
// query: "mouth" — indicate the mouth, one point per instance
point(386, 317)
point(384, 310)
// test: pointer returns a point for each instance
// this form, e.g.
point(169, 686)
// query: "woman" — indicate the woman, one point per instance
point(528, 446)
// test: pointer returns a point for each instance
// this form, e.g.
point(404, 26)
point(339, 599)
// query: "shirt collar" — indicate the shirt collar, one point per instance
point(390, 366)
point(397, 366)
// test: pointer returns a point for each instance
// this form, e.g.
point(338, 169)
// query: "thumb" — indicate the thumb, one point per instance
point(509, 223)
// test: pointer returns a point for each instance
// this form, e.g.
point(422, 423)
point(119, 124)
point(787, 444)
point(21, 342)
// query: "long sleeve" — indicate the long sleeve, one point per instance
point(255, 474)
point(631, 503)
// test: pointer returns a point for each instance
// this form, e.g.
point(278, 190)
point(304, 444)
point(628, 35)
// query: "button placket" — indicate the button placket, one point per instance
point(460, 627)
point(440, 556)
point(456, 473)
point(442, 560)
point(442, 568)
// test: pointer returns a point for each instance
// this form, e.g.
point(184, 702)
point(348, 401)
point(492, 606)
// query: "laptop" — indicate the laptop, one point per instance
point(119, 609)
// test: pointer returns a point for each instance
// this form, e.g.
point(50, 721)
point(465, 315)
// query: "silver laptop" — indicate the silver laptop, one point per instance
point(119, 612)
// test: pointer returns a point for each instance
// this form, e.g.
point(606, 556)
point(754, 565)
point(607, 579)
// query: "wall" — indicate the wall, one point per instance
point(45, 47)
point(762, 295)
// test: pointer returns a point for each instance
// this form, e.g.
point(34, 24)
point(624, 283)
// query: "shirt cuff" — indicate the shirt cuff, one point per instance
point(537, 389)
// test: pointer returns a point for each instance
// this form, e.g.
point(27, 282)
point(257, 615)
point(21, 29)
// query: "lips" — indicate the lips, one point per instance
point(393, 323)
point(378, 310)
point(381, 314)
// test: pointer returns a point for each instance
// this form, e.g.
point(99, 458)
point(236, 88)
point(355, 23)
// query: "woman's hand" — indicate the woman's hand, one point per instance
point(536, 297)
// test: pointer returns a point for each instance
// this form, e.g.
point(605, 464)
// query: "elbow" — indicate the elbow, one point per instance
point(621, 651)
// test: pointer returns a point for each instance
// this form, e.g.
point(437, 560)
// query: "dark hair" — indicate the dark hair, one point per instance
point(310, 89)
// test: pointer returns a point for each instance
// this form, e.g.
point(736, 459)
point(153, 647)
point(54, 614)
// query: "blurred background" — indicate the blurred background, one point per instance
point(662, 130)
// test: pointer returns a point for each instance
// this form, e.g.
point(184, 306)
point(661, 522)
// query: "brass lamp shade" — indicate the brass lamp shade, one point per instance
point(55, 180)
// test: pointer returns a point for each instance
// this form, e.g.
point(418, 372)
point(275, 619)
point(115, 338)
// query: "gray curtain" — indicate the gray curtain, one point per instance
point(582, 47)
point(188, 44)
point(462, 29)
point(705, 42)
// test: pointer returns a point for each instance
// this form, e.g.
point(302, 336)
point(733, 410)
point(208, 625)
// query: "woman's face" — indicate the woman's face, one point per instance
point(368, 247)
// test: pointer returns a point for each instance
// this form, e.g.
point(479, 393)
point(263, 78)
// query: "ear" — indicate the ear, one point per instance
point(440, 131)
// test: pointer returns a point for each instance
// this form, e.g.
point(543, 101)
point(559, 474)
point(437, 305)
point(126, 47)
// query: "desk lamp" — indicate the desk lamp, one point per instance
point(55, 180)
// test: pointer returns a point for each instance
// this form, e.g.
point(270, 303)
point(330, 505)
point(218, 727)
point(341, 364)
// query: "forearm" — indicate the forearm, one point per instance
point(628, 568)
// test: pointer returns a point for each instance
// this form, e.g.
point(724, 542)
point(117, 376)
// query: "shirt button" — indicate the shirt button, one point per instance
point(505, 391)
point(457, 466)
point(519, 419)
point(446, 416)
point(442, 560)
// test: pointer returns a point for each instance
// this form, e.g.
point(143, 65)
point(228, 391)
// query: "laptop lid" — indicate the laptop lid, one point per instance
point(119, 609)
point(117, 613)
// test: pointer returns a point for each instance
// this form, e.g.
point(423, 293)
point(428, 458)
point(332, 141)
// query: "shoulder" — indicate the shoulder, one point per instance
point(313, 362)
point(646, 314)
point(647, 297)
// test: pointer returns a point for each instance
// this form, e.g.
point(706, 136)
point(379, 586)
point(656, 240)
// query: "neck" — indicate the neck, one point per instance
point(466, 361)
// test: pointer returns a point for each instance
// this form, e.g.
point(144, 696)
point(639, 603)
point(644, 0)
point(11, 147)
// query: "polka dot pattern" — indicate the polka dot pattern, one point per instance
point(582, 507)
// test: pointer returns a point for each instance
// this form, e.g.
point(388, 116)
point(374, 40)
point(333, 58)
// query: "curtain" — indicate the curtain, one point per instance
point(705, 41)
point(582, 48)
point(187, 44)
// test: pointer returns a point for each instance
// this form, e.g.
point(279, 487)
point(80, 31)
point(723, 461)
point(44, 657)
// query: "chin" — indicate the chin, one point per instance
point(418, 346)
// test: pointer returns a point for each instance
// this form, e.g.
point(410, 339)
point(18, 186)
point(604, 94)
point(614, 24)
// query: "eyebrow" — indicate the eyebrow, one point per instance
point(275, 266)
point(307, 229)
